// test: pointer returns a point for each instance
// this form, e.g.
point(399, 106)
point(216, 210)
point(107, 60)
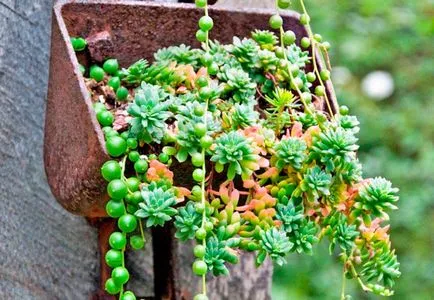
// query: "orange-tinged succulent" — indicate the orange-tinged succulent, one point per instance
point(255, 133)
point(158, 171)
point(309, 134)
point(374, 231)
point(297, 130)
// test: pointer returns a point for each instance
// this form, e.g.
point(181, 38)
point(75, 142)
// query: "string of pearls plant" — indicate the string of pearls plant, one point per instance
point(273, 161)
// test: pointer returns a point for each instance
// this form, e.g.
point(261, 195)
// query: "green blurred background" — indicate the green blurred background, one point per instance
point(397, 134)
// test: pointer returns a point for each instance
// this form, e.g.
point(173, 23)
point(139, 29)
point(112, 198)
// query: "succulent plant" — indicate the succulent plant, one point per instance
point(334, 147)
point(233, 149)
point(238, 84)
point(316, 183)
point(344, 237)
point(150, 112)
point(135, 73)
point(290, 215)
point(187, 138)
point(181, 54)
point(220, 53)
point(217, 254)
point(141, 71)
point(290, 152)
point(265, 38)
point(187, 222)
point(376, 197)
point(308, 120)
point(157, 206)
point(246, 51)
point(244, 116)
point(349, 123)
point(276, 244)
point(304, 237)
point(281, 99)
point(267, 60)
point(160, 74)
point(351, 172)
point(382, 266)
point(297, 56)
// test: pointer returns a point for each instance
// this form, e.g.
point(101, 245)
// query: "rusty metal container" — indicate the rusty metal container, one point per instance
point(74, 147)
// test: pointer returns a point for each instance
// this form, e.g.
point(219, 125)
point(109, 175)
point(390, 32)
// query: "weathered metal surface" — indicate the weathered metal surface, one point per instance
point(192, 1)
point(105, 227)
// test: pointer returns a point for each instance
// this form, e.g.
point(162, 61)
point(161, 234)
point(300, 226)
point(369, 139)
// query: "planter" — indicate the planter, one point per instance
point(74, 147)
point(73, 167)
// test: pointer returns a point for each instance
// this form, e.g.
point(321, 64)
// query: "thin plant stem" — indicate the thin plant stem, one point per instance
point(203, 198)
point(314, 60)
point(344, 280)
point(141, 230)
point(203, 153)
point(290, 73)
point(123, 164)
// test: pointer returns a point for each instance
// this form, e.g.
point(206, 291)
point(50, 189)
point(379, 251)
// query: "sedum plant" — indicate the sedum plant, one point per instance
point(234, 150)
point(273, 160)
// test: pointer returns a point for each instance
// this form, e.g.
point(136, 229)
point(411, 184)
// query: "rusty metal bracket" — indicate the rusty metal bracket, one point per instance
point(211, 2)
point(105, 227)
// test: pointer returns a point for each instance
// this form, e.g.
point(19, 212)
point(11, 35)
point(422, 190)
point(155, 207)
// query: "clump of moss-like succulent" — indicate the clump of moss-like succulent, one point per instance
point(233, 149)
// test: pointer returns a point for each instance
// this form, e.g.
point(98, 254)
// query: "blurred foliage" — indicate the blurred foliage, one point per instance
point(397, 136)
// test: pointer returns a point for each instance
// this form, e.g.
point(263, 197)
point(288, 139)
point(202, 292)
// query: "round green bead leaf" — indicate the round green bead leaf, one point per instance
point(117, 240)
point(96, 73)
point(276, 21)
point(78, 43)
point(127, 223)
point(116, 146)
point(206, 23)
point(117, 189)
point(137, 242)
point(111, 170)
point(115, 209)
point(111, 66)
point(113, 258)
point(120, 275)
point(105, 118)
point(111, 287)
point(122, 93)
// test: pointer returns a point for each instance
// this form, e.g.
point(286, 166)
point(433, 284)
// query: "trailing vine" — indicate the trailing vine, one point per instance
point(274, 166)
